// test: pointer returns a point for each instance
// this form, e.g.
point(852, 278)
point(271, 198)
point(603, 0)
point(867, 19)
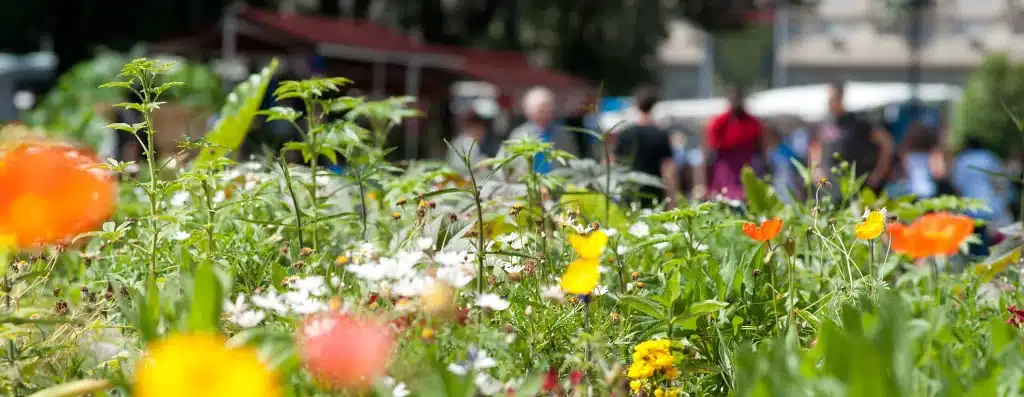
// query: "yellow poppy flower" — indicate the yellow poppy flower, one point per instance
point(872, 227)
point(589, 246)
point(201, 365)
point(582, 275)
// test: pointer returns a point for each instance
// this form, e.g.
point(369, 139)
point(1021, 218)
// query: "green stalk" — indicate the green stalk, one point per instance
point(291, 192)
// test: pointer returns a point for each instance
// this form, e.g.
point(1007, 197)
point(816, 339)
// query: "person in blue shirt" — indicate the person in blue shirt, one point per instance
point(971, 180)
point(539, 107)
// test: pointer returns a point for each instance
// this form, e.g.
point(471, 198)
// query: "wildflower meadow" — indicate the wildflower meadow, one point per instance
point(200, 274)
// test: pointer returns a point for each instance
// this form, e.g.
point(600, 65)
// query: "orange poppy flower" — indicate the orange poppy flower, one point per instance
point(939, 233)
point(50, 191)
point(767, 231)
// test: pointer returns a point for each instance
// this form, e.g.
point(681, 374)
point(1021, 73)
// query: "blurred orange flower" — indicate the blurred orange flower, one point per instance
point(52, 191)
point(342, 351)
point(767, 231)
point(939, 233)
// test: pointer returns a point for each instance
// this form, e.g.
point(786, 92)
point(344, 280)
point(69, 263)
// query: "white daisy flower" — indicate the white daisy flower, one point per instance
point(319, 326)
point(270, 301)
point(457, 277)
point(600, 290)
point(640, 230)
point(671, 227)
point(424, 243)
point(312, 285)
point(179, 199)
point(553, 292)
point(491, 301)
point(611, 231)
point(622, 249)
point(487, 385)
point(248, 319)
point(513, 268)
point(236, 307)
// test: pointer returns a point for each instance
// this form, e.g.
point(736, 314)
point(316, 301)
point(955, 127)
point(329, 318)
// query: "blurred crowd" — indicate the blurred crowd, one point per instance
point(908, 157)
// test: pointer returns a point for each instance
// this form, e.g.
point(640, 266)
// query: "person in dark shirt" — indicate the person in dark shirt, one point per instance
point(851, 137)
point(646, 148)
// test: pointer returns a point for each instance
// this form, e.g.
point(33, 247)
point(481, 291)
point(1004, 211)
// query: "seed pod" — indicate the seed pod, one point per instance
point(396, 215)
point(305, 251)
point(401, 202)
point(756, 272)
point(790, 246)
point(452, 217)
point(61, 308)
point(634, 275)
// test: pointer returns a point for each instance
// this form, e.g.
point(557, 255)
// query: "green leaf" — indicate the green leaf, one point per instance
point(1000, 333)
point(443, 192)
point(758, 194)
point(75, 388)
point(672, 287)
point(530, 387)
point(644, 305)
point(207, 298)
point(237, 114)
point(707, 306)
point(757, 261)
point(149, 316)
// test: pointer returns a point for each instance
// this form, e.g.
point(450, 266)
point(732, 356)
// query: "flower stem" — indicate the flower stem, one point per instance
point(291, 192)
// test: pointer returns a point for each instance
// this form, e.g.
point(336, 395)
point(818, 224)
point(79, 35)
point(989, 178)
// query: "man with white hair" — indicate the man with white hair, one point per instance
point(539, 108)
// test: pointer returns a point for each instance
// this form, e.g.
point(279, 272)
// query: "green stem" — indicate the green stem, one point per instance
point(210, 214)
point(314, 164)
point(871, 265)
point(362, 200)
point(608, 183)
point(291, 192)
point(480, 254)
point(154, 198)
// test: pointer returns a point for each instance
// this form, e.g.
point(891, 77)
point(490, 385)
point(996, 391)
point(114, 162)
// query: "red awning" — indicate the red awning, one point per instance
point(369, 42)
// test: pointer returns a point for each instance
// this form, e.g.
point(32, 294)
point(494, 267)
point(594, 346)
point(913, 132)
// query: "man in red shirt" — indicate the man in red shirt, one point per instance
point(735, 140)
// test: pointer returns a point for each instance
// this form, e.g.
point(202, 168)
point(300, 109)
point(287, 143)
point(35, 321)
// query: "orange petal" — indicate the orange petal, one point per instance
point(770, 228)
point(752, 231)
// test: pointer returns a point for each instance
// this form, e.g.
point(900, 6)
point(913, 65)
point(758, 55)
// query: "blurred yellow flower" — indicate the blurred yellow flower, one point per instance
point(589, 246)
point(582, 275)
point(872, 227)
point(200, 365)
point(635, 385)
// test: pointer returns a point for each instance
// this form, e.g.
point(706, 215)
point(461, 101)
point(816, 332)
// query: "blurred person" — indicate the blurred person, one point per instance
point(646, 148)
point(470, 138)
point(972, 178)
point(919, 172)
point(539, 107)
point(868, 149)
point(781, 162)
point(583, 118)
point(735, 140)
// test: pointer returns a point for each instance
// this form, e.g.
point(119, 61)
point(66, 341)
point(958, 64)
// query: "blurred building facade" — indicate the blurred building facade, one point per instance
point(861, 40)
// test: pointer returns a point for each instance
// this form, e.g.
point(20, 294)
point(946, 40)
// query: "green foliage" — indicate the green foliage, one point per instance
point(990, 105)
point(251, 249)
point(69, 110)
